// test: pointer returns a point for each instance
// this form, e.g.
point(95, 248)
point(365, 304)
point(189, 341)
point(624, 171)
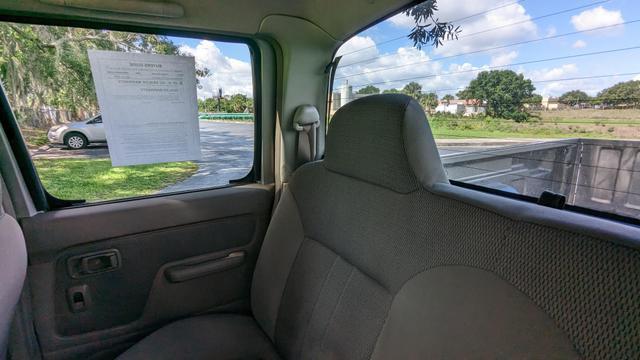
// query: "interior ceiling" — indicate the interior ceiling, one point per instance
point(339, 18)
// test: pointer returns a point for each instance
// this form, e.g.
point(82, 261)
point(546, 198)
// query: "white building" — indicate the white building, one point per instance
point(549, 103)
point(343, 96)
point(461, 107)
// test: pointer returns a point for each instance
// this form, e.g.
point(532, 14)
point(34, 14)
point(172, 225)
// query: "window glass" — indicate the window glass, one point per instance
point(49, 81)
point(522, 97)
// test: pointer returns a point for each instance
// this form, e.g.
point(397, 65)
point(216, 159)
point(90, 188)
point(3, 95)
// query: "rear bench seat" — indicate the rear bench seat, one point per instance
point(371, 253)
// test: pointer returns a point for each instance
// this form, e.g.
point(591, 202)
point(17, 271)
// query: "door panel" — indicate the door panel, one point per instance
point(210, 239)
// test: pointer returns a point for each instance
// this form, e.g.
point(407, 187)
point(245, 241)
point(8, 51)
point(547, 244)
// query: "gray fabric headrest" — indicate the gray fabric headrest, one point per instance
point(385, 140)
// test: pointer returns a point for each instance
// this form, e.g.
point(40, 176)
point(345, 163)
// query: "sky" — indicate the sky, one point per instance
point(229, 64)
point(563, 51)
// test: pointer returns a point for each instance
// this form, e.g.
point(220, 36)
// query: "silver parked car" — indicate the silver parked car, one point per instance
point(78, 134)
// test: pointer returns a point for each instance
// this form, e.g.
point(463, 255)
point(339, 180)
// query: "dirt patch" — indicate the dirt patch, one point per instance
point(33, 137)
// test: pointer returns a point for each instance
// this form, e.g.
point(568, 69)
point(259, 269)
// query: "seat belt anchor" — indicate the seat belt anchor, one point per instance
point(306, 122)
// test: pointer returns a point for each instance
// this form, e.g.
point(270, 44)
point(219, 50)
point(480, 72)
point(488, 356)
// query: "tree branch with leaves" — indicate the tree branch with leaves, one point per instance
point(428, 29)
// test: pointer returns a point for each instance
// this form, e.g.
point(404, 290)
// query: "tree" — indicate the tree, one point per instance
point(429, 29)
point(369, 89)
point(448, 97)
point(503, 91)
point(621, 93)
point(429, 100)
point(236, 103)
point(574, 97)
point(48, 65)
point(534, 99)
point(239, 103)
point(464, 94)
point(412, 89)
point(391, 91)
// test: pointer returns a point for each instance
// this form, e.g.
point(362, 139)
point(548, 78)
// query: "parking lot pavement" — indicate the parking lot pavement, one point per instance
point(227, 154)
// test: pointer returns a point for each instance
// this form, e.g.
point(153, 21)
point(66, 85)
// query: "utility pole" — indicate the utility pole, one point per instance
point(219, 98)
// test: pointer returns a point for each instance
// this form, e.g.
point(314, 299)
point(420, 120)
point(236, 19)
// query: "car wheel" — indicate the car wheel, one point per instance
point(76, 141)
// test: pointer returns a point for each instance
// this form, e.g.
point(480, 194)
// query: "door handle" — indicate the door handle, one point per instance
point(93, 263)
point(180, 273)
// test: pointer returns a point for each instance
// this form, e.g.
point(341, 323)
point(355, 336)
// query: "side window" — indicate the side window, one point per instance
point(111, 115)
point(522, 97)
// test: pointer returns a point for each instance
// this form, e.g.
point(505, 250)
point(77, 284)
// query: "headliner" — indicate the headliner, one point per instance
point(340, 19)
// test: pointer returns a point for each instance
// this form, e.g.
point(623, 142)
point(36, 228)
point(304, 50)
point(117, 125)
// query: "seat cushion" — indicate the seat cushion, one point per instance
point(205, 337)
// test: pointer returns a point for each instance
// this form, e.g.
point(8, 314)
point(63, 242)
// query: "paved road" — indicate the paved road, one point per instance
point(227, 154)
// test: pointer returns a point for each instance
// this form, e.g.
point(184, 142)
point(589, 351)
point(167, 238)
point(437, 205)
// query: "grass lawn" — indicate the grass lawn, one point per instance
point(448, 127)
point(96, 179)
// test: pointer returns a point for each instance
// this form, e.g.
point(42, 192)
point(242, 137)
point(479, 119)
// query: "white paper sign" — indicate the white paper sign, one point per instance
point(149, 106)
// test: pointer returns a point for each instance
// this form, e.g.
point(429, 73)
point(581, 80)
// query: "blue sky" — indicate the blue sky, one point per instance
point(229, 63)
point(445, 70)
point(513, 22)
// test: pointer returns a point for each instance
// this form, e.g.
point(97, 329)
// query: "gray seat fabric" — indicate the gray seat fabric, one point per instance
point(13, 267)
point(372, 254)
point(204, 338)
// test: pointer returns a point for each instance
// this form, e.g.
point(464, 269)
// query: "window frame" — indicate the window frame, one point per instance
point(42, 199)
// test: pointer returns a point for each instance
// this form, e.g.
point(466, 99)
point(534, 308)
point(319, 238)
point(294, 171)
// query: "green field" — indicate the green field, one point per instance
point(95, 179)
point(607, 124)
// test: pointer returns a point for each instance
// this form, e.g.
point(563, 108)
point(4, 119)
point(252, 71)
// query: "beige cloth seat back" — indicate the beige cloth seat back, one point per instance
point(13, 267)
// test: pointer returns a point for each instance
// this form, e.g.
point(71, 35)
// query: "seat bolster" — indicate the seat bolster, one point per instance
point(205, 337)
point(279, 250)
point(13, 268)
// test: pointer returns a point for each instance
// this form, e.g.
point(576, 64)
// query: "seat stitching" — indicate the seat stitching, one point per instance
point(313, 310)
point(363, 272)
point(368, 182)
point(335, 308)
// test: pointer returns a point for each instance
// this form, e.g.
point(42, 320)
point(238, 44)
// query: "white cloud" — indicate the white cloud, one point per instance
point(358, 48)
point(549, 87)
point(402, 21)
point(597, 17)
point(513, 23)
point(504, 58)
point(392, 69)
point(232, 75)
point(551, 31)
point(579, 44)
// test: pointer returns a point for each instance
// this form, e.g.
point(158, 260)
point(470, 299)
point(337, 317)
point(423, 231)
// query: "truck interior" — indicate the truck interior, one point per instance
point(350, 237)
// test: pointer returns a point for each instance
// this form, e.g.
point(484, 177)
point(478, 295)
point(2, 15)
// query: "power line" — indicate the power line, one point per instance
point(452, 21)
point(476, 51)
point(487, 30)
point(463, 19)
point(536, 18)
point(502, 66)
